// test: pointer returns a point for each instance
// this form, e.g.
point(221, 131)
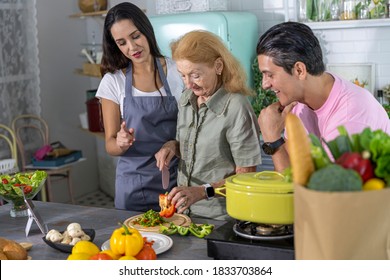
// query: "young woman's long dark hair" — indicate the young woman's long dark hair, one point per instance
point(113, 59)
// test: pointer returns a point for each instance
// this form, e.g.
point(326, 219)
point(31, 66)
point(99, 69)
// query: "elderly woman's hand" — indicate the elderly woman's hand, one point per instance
point(184, 197)
point(166, 153)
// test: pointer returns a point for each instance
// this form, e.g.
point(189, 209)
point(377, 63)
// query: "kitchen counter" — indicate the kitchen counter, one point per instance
point(102, 220)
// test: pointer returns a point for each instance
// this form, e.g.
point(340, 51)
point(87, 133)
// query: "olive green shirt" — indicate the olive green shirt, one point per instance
point(214, 139)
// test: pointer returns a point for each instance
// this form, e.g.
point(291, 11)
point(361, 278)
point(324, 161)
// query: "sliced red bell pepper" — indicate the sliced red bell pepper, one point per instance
point(167, 209)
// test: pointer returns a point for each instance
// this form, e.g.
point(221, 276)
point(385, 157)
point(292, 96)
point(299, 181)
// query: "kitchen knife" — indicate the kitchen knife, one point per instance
point(165, 177)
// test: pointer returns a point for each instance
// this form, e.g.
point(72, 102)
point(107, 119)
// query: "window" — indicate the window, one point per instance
point(19, 71)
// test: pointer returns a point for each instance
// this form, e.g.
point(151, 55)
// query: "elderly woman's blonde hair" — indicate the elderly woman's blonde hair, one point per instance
point(201, 46)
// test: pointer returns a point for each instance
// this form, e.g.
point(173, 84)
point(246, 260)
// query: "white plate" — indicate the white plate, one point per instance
point(161, 242)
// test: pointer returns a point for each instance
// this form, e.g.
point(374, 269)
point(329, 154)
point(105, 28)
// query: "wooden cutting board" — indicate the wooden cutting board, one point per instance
point(177, 219)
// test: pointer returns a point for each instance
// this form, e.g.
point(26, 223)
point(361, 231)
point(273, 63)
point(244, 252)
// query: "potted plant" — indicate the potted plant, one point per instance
point(263, 97)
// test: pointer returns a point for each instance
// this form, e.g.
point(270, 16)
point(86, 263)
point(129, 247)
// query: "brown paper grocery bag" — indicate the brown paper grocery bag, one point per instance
point(341, 225)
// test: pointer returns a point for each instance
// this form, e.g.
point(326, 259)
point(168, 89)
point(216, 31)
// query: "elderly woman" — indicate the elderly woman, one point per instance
point(217, 131)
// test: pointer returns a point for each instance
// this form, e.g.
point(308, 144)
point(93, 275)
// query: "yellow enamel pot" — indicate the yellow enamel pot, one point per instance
point(262, 197)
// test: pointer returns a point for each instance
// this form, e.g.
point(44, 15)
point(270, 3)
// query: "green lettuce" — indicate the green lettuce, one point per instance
point(376, 142)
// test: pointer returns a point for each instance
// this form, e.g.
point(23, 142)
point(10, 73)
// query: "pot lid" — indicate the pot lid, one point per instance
point(265, 181)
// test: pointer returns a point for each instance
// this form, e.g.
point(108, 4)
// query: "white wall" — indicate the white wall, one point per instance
point(351, 45)
point(63, 92)
point(360, 45)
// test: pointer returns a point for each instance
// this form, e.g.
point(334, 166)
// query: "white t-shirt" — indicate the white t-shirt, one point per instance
point(112, 85)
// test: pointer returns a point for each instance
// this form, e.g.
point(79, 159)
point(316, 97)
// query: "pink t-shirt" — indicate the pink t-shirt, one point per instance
point(349, 105)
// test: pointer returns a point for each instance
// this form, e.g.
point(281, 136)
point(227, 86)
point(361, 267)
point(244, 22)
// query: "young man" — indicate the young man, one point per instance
point(290, 58)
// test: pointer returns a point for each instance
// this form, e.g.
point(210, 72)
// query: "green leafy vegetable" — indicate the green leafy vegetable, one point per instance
point(151, 218)
point(287, 173)
point(341, 144)
point(318, 153)
point(382, 169)
point(13, 186)
point(376, 143)
point(264, 97)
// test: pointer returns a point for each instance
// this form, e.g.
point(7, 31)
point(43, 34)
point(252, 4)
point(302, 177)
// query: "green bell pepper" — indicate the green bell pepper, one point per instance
point(201, 231)
point(198, 231)
point(183, 230)
point(168, 230)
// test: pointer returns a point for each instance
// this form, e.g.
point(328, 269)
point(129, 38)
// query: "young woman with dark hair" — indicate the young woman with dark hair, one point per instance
point(138, 92)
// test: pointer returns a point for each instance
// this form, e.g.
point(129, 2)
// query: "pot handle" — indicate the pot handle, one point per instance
point(220, 189)
point(270, 175)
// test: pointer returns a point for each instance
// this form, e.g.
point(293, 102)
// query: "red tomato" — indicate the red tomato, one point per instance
point(101, 256)
point(146, 253)
point(27, 189)
point(147, 242)
point(5, 181)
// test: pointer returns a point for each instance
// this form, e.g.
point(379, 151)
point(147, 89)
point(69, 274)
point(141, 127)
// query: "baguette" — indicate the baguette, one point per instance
point(299, 150)
point(11, 250)
point(3, 257)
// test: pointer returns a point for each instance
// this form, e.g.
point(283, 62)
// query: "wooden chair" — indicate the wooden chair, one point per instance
point(32, 133)
point(8, 160)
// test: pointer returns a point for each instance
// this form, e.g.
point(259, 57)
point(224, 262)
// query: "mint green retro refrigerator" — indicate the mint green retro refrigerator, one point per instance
point(239, 31)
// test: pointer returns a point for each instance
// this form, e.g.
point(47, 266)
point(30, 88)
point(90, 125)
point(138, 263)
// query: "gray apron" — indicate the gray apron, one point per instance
point(154, 118)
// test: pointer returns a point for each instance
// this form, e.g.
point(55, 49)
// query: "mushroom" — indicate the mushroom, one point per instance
point(85, 237)
point(66, 238)
point(54, 236)
point(75, 230)
point(74, 241)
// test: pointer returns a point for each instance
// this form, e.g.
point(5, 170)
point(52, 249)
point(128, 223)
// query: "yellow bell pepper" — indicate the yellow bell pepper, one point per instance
point(126, 241)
